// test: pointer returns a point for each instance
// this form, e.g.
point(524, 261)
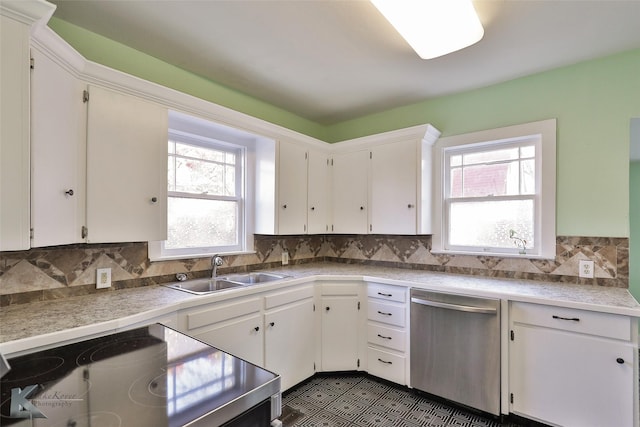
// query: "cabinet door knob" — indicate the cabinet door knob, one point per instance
point(284, 206)
point(327, 308)
point(257, 328)
point(313, 208)
point(154, 200)
point(410, 206)
point(620, 360)
point(361, 208)
point(272, 324)
point(69, 192)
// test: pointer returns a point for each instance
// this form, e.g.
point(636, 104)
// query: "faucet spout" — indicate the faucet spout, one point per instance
point(216, 261)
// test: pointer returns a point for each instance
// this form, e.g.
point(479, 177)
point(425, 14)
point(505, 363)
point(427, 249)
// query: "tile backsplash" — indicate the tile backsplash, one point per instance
point(58, 272)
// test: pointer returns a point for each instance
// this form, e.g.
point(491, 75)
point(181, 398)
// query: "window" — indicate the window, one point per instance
point(205, 197)
point(496, 192)
point(210, 193)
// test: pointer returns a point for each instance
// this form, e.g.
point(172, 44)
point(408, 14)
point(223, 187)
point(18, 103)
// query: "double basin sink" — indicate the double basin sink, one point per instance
point(216, 284)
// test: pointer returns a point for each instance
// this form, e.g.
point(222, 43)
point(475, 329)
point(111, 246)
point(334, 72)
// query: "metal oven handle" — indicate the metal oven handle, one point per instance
point(457, 307)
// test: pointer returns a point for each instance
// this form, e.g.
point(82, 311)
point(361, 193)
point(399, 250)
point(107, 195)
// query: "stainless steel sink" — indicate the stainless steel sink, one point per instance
point(253, 278)
point(204, 286)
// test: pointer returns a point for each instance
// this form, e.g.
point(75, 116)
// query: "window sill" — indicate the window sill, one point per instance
point(492, 254)
point(195, 256)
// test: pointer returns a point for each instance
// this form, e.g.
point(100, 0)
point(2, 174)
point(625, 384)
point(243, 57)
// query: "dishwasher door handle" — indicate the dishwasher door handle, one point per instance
point(457, 307)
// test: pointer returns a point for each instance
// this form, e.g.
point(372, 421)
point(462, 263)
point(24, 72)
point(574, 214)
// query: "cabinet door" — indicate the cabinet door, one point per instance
point(349, 190)
point(126, 168)
point(318, 193)
point(292, 189)
point(571, 379)
point(58, 154)
point(242, 337)
point(339, 333)
point(290, 342)
point(14, 136)
point(394, 188)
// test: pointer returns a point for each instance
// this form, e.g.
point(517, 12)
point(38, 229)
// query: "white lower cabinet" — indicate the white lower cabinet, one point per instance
point(290, 338)
point(340, 311)
point(572, 367)
point(386, 332)
point(234, 327)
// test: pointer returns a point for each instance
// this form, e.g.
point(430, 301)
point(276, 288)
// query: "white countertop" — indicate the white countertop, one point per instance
point(30, 325)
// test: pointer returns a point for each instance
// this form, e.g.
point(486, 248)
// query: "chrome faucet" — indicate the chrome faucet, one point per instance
point(216, 262)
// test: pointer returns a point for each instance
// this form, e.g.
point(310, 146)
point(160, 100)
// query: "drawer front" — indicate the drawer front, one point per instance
point(386, 313)
point(220, 312)
point(386, 365)
point(394, 339)
point(573, 320)
point(287, 297)
point(341, 288)
point(387, 292)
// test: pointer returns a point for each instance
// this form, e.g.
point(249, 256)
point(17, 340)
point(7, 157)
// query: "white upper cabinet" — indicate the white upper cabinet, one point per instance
point(349, 191)
point(58, 154)
point(382, 185)
point(318, 192)
point(126, 168)
point(292, 185)
point(394, 181)
point(14, 135)
point(292, 188)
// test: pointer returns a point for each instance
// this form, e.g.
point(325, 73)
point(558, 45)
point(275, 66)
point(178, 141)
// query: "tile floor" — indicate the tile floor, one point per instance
point(363, 401)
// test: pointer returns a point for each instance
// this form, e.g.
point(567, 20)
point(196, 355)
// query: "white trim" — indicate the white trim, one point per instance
point(547, 176)
point(426, 132)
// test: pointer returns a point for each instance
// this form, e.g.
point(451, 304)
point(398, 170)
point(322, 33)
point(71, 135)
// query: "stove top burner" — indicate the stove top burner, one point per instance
point(150, 376)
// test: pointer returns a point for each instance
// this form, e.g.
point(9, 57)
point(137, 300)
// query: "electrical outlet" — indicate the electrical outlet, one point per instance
point(103, 278)
point(585, 269)
point(285, 258)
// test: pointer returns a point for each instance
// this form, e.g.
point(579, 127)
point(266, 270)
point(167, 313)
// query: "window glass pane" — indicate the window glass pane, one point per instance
point(456, 182)
point(456, 160)
point(201, 223)
point(204, 153)
point(528, 177)
point(198, 177)
point(487, 224)
point(171, 174)
point(490, 156)
point(499, 179)
point(528, 151)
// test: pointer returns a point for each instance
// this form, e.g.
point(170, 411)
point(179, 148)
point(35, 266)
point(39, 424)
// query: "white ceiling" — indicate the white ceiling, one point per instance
point(333, 60)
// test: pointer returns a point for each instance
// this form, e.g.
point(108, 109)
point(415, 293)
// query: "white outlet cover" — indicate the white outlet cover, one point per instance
point(585, 269)
point(103, 278)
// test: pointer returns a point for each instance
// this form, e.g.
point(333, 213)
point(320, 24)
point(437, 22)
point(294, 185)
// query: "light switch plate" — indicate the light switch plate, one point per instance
point(285, 258)
point(103, 278)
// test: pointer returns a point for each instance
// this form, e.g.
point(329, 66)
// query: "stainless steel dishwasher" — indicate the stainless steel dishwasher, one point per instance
point(455, 348)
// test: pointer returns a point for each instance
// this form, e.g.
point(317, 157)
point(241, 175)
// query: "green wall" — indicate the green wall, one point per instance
point(634, 241)
point(593, 102)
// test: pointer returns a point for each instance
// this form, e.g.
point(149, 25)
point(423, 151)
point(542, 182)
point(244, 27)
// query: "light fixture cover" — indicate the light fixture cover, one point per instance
point(433, 27)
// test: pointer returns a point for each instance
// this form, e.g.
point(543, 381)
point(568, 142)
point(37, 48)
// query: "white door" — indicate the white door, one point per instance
point(570, 379)
point(126, 168)
point(58, 154)
point(290, 341)
point(14, 136)
point(349, 190)
point(339, 333)
point(318, 193)
point(292, 189)
point(241, 337)
point(394, 188)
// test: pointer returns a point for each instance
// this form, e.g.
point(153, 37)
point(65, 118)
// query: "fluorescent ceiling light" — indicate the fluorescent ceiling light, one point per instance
point(433, 27)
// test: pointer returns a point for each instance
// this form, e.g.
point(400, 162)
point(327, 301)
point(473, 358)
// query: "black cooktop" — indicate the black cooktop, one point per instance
point(150, 376)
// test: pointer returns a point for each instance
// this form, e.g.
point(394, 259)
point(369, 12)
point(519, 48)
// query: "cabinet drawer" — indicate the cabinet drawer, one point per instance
point(344, 289)
point(574, 320)
point(386, 365)
point(387, 292)
point(386, 337)
point(386, 313)
point(287, 297)
point(220, 312)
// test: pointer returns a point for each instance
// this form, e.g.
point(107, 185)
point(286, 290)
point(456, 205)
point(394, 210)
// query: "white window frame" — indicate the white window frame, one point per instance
point(196, 131)
point(544, 135)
